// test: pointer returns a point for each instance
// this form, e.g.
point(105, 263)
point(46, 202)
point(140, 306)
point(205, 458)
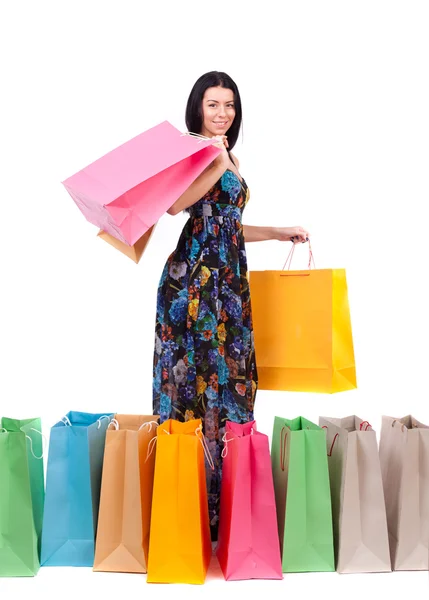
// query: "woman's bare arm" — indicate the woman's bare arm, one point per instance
point(256, 233)
point(203, 183)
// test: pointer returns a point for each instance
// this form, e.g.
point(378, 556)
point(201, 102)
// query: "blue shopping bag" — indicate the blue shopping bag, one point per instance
point(73, 481)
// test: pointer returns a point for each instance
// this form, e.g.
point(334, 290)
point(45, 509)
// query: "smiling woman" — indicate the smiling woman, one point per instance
point(204, 359)
point(218, 110)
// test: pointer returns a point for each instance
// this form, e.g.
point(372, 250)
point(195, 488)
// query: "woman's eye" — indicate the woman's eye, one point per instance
point(214, 106)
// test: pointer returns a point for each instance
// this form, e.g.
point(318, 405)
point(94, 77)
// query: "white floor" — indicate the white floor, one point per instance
point(68, 583)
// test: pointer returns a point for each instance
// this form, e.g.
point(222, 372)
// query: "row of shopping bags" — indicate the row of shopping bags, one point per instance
point(127, 494)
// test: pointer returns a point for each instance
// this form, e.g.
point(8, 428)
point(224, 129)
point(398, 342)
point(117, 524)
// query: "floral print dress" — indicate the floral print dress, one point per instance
point(204, 359)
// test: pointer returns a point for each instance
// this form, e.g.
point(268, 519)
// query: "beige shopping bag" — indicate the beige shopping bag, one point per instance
point(404, 456)
point(358, 507)
point(135, 251)
point(122, 543)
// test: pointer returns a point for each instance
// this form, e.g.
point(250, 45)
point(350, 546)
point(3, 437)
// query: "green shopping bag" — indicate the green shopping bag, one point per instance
point(303, 497)
point(21, 496)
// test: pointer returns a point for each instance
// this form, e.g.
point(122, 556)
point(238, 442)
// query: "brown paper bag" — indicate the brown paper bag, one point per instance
point(358, 507)
point(404, 455)
point(122, 542)
point(135, 252)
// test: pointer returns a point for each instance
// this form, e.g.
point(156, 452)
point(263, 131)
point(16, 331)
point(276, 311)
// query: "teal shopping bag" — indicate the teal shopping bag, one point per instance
point(21, 496)
point(73, 481)
point(303, 497)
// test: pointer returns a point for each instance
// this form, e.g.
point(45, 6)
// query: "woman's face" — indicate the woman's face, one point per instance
point(218, 111)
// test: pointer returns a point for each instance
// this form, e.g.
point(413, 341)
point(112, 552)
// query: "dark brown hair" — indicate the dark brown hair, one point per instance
point(194, 116)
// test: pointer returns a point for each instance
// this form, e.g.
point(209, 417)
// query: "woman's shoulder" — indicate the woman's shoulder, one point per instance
point(235, 160)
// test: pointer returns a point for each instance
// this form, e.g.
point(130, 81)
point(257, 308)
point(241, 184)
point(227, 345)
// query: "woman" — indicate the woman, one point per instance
point(204, 360)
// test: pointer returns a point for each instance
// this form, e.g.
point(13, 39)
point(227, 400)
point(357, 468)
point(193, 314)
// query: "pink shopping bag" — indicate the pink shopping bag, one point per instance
point(126, 191)
point(248, 545)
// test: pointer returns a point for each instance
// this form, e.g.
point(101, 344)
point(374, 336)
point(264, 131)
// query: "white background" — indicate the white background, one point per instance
point(335, 100)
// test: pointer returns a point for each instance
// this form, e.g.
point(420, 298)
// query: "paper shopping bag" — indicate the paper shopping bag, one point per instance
point(73, 479)
point(358, 507)
point(303, 497)
point(122, 543)
point(180, 547)
point(404, 456)
point(302, 330)
point(248, 542)
point(135, 252)
point(21, 496)
point(126, 191)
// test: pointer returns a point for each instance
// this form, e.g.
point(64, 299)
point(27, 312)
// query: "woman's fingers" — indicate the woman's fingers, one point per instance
point(222, 141)
point(300, 237)
point(304, 235)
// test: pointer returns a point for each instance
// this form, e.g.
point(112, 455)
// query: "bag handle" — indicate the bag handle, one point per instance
point(367, 426)
point(283, 440)
point(150, 448)
point(103, 417)
point(44, 443)
point(291, 253)
point(201, 138)
point(152, 443)
point(148, 423)
point(336, 436)
point(200, 436)
point(67, 421)
point(226, 441)
point(403, 427)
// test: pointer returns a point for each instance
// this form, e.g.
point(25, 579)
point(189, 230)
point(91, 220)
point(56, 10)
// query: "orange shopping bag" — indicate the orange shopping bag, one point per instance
point(122, 543)
point(180, 546)
point(302, 330)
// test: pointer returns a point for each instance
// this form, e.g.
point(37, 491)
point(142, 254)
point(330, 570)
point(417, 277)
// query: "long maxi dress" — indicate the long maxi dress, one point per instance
point(204, 358)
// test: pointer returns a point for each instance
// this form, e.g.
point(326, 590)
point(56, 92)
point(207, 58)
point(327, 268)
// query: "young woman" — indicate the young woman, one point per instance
point(204, 360)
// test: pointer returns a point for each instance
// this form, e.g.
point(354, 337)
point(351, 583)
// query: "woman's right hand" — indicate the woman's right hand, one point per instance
point(221, 161)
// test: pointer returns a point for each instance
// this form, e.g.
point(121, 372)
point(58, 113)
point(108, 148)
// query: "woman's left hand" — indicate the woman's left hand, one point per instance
point(292, 234)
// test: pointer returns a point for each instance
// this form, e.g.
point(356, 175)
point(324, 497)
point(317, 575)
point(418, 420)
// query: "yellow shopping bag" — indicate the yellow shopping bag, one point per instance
point(180, 546)
point(302, 330)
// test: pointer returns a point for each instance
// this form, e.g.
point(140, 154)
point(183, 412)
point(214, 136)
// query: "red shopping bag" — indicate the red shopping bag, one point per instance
point(249, 545)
